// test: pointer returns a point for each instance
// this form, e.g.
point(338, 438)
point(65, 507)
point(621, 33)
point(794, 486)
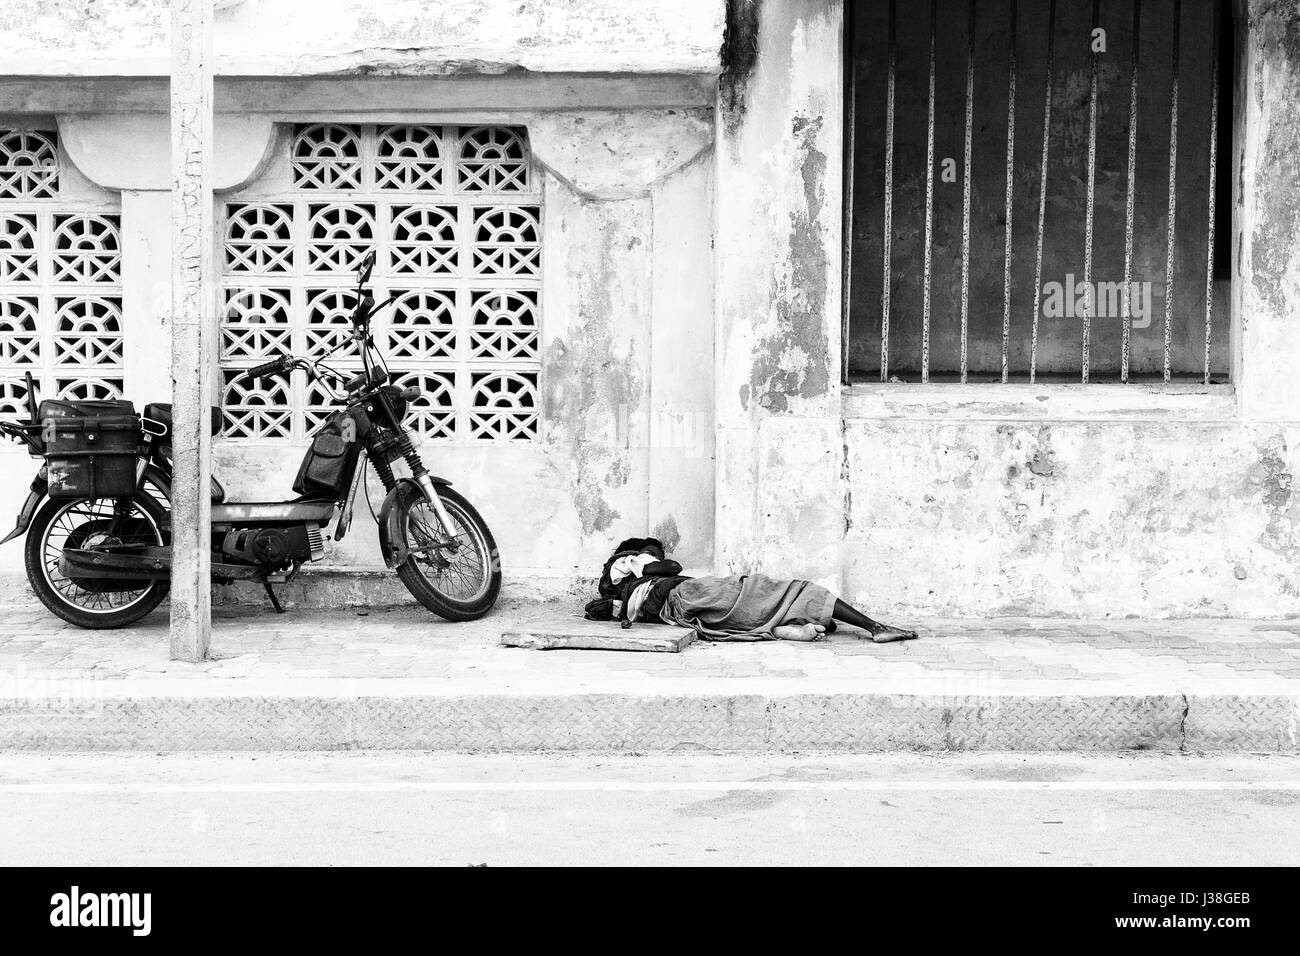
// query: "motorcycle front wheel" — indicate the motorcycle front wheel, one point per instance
point(457, 579)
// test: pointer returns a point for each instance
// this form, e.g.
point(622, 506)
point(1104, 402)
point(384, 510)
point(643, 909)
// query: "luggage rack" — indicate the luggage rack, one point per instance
point(29, 432)
point(90, 448)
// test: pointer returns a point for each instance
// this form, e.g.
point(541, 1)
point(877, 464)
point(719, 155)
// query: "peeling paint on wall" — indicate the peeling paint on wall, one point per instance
point(667, 532)
point(795, 359)
point(739, 55)
point(1042, 463)
point(1273, 244)
point(591, 393)
point(1273, 479)
point(1077, 518)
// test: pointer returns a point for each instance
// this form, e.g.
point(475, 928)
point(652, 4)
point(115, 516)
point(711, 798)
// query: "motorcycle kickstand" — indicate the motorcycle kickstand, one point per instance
point(275, 601)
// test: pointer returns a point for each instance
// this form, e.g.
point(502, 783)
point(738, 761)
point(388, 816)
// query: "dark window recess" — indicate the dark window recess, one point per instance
point(1027, 261)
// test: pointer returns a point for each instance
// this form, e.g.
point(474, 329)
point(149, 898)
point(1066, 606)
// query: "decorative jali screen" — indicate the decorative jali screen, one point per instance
point(60, 280)
point(454, 217)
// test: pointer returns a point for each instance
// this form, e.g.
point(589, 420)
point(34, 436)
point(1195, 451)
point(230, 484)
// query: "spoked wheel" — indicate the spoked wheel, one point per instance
point(459, 578)
point(88, 524)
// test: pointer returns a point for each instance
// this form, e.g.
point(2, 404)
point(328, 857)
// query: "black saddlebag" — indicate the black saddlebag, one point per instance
point(91, 448)
point(327, 467)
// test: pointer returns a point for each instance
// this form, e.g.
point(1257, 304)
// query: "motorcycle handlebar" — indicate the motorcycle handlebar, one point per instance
point(268, 368)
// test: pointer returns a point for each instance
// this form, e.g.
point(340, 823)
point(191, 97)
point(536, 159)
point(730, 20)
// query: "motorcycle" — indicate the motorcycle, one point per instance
point(97, 519)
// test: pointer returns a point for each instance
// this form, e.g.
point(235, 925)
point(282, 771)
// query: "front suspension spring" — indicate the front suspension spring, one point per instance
point(407, 449)
point(384, 470)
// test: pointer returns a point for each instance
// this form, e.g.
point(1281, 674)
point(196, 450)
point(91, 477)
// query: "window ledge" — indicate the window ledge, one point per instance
point(1021, 402)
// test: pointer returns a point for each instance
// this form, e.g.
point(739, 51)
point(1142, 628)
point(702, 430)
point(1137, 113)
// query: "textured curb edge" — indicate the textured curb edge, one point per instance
point(740, 722)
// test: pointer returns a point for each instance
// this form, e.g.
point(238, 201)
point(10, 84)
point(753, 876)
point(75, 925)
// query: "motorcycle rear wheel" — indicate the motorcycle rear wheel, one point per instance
point(70, 524)
point(462, 585)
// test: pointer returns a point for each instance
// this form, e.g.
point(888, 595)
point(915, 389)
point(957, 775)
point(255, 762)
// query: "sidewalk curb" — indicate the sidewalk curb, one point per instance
point(318, 714)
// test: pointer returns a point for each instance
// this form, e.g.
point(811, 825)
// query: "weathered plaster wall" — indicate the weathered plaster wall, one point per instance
point(981, 500)
point(780, 498)
point(1109, 500)
point(1101, 518)
point(627, 421)
point(1268, 254)
point(555, 505)
point(958, 501)
point(361, 37)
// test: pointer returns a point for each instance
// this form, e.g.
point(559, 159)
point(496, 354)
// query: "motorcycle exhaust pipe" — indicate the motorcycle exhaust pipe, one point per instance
point(76, 563)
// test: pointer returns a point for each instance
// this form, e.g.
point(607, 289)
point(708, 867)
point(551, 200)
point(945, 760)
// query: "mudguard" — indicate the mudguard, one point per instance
point(34, 499)
point(391, 541)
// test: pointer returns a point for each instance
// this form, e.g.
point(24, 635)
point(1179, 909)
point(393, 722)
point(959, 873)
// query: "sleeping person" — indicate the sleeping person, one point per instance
point(640, 584)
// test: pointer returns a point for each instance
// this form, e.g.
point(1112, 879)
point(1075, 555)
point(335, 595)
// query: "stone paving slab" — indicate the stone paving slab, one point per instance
point(401, 678)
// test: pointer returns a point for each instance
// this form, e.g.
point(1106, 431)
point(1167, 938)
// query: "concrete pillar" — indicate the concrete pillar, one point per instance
point(779, 487)
point(1266, 213)
point(193, 308)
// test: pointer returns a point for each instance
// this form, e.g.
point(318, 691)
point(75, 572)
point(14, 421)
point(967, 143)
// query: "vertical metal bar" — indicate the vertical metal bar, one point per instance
point(846, 213)
point(966, 187)
point(1090, 201)
point(889, 200)
point(1042, 189)
point(1173, 194)
point(1214, 169)
point(1129, 193)
point(1009, 198)
point(929, 206)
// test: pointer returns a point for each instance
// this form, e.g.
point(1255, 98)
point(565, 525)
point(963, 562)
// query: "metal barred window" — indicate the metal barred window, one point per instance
point(1036, 191)
point(60, 281)
point(454, 216)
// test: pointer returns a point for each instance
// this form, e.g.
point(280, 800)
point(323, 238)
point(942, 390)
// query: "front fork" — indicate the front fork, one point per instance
point(421, 476)
point(435, 502)
point(406, 448)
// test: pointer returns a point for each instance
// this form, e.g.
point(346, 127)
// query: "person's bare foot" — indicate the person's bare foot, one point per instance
point(885, 634)
point(799, 632)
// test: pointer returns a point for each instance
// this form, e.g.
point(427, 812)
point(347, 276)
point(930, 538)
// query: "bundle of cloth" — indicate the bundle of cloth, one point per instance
point(635, 582)
point(641, 584)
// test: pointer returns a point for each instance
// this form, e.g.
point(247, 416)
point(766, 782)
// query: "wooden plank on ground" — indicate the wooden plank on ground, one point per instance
point(580, 634)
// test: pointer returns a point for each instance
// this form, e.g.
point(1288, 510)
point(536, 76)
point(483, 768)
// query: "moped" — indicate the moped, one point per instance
point(98, 524)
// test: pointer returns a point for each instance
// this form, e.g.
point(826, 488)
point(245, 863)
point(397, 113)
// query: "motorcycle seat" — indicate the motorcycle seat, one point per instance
point(271, 512)
point(161, 412)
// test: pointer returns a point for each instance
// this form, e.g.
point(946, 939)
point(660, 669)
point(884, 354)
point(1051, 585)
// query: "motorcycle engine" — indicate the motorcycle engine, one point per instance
point(272, 548)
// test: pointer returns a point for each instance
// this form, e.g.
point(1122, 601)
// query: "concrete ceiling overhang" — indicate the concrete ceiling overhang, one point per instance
point(315, 38)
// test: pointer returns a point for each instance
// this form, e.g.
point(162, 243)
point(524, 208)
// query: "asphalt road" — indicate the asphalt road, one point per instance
point(682, 808)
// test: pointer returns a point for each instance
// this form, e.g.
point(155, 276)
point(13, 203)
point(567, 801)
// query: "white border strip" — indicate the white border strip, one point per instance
point(701, 786)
